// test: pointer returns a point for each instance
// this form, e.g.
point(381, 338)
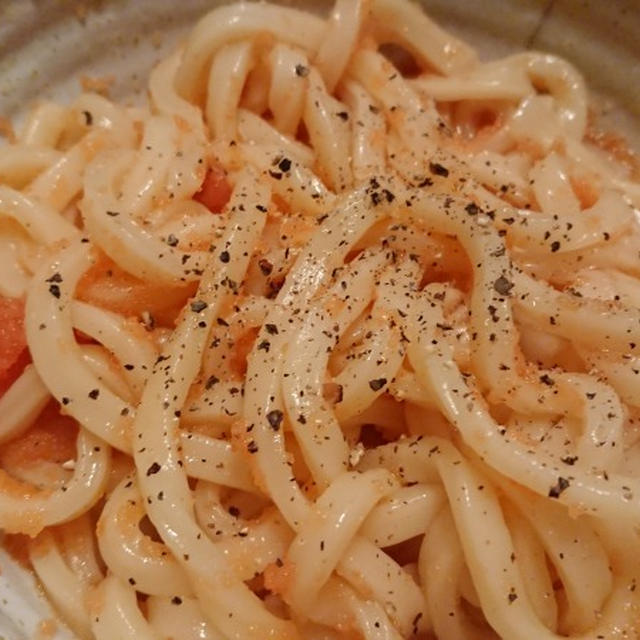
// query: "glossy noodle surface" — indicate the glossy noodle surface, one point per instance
point(337, 338)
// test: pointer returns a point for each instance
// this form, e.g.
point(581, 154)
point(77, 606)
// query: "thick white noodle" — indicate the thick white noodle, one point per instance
point(338, 337)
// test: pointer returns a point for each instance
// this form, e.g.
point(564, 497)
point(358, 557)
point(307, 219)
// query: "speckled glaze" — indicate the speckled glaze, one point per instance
point(46, 46)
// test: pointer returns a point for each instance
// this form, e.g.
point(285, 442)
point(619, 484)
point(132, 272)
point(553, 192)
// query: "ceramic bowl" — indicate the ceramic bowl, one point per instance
point(46, 46)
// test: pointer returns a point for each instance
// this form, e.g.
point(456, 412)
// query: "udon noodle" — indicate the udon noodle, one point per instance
point(338, 337)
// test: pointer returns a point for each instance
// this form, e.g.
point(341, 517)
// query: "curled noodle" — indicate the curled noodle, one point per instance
point(337, 338)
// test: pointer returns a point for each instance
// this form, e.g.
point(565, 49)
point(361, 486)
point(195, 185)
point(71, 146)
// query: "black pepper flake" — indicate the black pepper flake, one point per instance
point(503, 286)
point(88, 118)
point(265, 345)
point(275, 419)
point(284, 165)
point(172, 241)
point(224, 257)
point(343, 115)
point(557, 489)
point(198, 305)
point(472, 209)
point(65, 400)
point(176, 600)
point(555, 245)
point(438, 170)
point(94, 393)
point(512, 597)
point(546, 379)
point(271, 329)
point(132, 581)
point(265, 266)
point(276, 175)
point(377, 384)
point(112, 214)
point(302, 71)
point(54, 290)
point(222, 322)
point(570, 460)
point(252, 447)
point(302, 419)
point(153, 469)
point(211, 380)
point(56, 277)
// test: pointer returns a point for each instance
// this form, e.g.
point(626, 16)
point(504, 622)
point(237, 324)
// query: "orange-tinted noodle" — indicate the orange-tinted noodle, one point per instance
point(337, 337)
